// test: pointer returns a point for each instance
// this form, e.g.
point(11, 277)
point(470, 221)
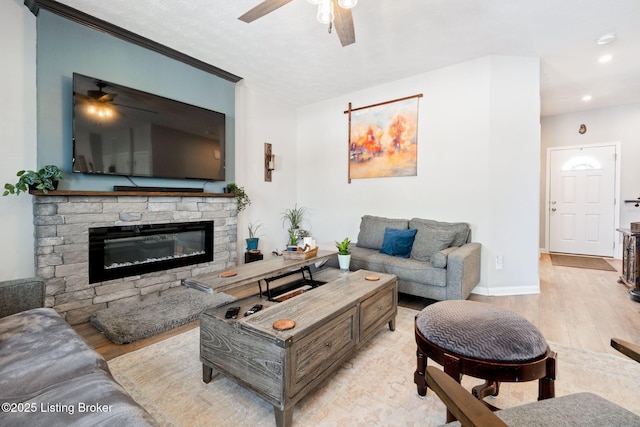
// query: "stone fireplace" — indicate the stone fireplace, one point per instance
point(147, 244)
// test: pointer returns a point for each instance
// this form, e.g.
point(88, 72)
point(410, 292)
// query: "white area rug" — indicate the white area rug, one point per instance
point(375, 388)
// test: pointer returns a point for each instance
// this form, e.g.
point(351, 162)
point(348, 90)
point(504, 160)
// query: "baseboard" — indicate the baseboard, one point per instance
point(497, 291)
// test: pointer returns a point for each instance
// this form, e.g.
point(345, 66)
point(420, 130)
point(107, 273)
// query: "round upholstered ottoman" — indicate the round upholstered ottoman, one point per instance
point(483, 341)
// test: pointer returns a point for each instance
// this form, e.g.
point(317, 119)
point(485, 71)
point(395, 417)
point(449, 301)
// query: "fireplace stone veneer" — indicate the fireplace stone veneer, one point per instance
point(62, 221)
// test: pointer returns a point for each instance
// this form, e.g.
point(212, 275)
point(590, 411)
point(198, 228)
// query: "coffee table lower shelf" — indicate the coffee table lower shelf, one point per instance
point(331, 323)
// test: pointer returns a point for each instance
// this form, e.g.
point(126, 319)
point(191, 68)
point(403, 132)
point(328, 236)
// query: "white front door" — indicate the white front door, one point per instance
point(582, 200)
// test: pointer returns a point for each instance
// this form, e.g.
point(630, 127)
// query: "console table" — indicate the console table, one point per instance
point(331, 323)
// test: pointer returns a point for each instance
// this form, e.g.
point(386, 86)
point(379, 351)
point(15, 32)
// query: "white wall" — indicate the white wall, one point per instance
point(478, 131)
point(617, 124)
point(17, 135)
point(260, 120)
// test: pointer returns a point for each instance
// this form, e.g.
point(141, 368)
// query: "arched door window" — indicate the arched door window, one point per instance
point(581, 163)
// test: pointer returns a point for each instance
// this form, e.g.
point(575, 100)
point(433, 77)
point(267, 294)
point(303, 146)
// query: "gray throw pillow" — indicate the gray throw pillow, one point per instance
point(462, 229)
point(372, 229)
point(439, 259)
point(429, 241)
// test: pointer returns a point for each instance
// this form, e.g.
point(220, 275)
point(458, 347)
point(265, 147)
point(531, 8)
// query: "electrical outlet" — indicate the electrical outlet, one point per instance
point(499, 262)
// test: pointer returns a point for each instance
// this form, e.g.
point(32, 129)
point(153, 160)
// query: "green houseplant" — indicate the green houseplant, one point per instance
point(44, 180)
point(242, 199)
point(344, 254)
point(252, 241)
point(294, 217)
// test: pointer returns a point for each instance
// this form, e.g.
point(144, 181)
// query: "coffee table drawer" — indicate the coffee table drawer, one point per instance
point(376, 311)
point(318, 351)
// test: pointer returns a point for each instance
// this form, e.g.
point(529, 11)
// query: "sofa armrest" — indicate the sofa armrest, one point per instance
point(463, 270)
point(20, 295)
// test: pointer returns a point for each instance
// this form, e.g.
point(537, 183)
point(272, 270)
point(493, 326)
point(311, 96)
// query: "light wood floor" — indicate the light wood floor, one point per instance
point(576, 307)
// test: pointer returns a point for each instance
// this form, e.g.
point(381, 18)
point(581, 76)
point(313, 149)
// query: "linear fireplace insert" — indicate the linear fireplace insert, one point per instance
point(123, 251)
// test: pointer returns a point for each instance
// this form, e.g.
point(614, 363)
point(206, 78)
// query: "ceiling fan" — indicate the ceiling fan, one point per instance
point(101, 100)
point(336, 13)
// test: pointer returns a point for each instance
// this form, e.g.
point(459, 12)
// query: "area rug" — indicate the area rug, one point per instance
point(593, 263)
point(130, 322)
point(374, 388)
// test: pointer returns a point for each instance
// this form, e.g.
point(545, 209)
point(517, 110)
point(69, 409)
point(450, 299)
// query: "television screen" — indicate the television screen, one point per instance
point(122, 131)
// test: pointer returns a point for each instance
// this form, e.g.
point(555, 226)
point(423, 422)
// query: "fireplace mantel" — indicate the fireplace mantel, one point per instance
point(128, 193)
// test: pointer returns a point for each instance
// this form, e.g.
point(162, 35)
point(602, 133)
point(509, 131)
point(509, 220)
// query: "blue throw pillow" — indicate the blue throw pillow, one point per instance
point(398, 242)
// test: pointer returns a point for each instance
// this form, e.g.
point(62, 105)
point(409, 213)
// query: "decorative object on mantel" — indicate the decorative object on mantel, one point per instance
point(44, 180)
point(241, 196)
point(383, 139)
point(269, 162)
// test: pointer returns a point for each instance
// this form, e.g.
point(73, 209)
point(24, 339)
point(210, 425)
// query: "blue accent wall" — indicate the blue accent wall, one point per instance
point(65, 47)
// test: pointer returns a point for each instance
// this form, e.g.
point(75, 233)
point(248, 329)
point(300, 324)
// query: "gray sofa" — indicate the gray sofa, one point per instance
point(50, 376)
point(443, 263)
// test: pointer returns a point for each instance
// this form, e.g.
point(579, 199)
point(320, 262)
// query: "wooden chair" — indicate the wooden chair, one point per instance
point(579, 409)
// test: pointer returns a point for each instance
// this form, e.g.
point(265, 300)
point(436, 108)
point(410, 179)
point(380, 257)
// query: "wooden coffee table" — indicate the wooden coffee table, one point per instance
point(282, 366)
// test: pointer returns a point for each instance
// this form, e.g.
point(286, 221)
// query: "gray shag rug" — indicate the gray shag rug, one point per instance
point(130, 322)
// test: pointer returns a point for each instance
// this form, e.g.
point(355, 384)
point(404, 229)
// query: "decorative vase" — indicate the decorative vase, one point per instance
point(344, 261)
point(252, 243)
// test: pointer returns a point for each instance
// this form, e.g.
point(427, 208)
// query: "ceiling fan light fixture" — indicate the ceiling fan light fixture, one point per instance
point(347, 4)
point(325, 12)
point(606, 38)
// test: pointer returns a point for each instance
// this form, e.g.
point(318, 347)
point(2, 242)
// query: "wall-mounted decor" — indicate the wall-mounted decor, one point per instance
point(383, 139)
point(269, 162)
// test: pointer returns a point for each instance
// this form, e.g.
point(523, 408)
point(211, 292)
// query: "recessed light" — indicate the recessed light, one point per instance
point(605, 58)
point(587, 98)
point(606, 38)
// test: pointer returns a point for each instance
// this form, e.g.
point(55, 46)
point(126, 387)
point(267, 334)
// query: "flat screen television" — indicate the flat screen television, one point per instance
point(122, 131)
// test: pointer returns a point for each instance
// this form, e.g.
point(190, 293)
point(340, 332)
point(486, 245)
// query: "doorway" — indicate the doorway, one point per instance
point(581, 199)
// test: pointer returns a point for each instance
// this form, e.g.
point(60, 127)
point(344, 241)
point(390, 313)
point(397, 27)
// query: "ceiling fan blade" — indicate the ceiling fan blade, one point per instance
point(107, 97)
point(267, 6)
point(343, 23)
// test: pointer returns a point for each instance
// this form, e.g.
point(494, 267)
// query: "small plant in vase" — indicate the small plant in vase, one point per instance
point(294, 217)
point(344, 254)
point(293, 241)
point(252, 241)
point(44, 180)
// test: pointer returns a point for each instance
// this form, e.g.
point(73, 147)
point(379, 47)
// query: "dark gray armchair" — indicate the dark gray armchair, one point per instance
point(579, 409)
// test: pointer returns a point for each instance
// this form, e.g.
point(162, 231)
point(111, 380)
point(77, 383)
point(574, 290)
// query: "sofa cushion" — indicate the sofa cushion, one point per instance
point(440, 258)
point(38, 349)
point(398, 242)
point(461, 228)
point(372, 228)
point(428, 241)
point(407, 269)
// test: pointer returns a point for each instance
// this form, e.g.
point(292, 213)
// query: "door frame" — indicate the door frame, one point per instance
point(617, 251)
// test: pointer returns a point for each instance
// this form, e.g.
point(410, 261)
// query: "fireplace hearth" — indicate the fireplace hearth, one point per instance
point(124, 251)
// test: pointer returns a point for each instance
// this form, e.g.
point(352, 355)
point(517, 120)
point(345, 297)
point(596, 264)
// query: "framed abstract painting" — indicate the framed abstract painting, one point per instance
point(383, 139)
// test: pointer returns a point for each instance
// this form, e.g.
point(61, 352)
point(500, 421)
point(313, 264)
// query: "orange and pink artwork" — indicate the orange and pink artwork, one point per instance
point(383, 141)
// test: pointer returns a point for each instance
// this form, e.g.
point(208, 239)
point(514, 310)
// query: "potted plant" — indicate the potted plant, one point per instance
point(294, 217)
point(293, 241)
point(344, 254)
point(242, 200)
point(252, 241)
point(44, 180)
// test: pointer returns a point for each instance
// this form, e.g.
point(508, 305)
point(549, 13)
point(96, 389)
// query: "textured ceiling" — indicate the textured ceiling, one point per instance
point(288, 54)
